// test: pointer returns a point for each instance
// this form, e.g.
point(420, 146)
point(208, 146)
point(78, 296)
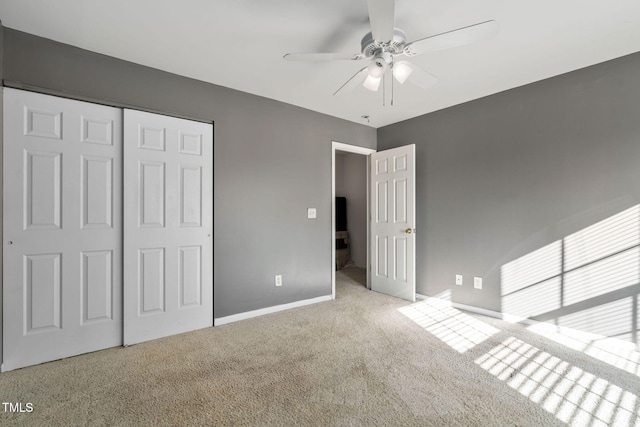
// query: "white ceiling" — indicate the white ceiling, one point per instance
point(240, 43)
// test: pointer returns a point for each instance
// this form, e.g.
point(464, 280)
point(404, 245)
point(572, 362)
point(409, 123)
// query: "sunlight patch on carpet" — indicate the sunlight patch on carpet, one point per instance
point(573, 395)
point(456, 329)
point(615, 352)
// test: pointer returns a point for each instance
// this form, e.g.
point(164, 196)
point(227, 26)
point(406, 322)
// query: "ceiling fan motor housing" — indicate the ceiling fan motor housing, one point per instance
point(382, 59)
point(371, 47)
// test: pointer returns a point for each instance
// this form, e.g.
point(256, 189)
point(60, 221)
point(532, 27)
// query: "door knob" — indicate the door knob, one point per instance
point(409, 230)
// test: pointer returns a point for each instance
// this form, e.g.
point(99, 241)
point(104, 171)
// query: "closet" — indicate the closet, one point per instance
point(107, 224)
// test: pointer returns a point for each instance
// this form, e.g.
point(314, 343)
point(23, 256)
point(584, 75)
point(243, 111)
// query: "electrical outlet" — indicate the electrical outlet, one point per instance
point(278, 280)
point(477, 282)
point(459, 279)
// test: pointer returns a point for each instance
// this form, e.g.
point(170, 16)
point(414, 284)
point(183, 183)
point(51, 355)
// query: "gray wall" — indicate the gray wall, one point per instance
point(271, 162)
point(351, 182)
point(503, 176)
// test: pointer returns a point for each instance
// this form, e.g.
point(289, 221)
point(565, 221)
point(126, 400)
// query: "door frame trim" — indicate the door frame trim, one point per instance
point(339, 146)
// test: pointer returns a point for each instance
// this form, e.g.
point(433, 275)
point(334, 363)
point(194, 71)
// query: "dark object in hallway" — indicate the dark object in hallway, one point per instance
point(341, 214)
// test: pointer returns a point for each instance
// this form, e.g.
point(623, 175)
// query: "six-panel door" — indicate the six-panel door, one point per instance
point(168, 216)
point(392, 240)
point(62, 229)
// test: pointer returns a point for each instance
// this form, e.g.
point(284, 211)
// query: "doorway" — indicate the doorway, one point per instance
point(339, 149)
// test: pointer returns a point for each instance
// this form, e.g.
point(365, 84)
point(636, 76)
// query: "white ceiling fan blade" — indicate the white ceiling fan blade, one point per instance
point(453, 38)
point(355, 81)
point(381, 18)
point(323, 56)
point(404, 70)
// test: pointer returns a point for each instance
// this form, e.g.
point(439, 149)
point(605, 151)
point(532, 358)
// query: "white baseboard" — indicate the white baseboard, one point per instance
point(477, 310)
point(261, 312)
point(496, 314)
point(490, 313)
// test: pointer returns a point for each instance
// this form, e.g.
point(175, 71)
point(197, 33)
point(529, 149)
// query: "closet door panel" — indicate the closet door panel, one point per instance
point(168, 222)
point(62, 228)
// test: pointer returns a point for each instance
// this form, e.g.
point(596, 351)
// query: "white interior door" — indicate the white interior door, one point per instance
point(393, 222)
point(62, 261)
point(168, 221)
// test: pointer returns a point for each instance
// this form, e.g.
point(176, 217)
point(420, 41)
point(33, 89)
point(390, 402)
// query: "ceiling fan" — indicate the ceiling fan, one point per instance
point(385, 43)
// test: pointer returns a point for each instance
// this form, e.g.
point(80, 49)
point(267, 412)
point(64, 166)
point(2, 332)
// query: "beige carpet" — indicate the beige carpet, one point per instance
point(364, 359)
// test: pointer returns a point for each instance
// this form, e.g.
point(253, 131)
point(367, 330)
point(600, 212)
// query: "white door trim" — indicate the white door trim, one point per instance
point(339, 146)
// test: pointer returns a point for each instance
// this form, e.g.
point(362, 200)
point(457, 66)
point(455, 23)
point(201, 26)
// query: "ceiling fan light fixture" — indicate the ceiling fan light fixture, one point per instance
point(372, 83)
point(402, 71)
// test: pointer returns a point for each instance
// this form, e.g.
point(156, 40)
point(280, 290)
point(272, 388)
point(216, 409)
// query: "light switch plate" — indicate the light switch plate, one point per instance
point(311, 213)
point(458, 279)
point(477, 282)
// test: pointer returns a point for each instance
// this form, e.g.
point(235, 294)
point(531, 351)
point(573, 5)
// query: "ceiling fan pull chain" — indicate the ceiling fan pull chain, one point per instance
point(392, 79)
point(384, 89)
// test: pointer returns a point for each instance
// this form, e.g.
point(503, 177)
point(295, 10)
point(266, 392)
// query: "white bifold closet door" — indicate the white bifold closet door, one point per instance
point(168, 223)
point(62, 238)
